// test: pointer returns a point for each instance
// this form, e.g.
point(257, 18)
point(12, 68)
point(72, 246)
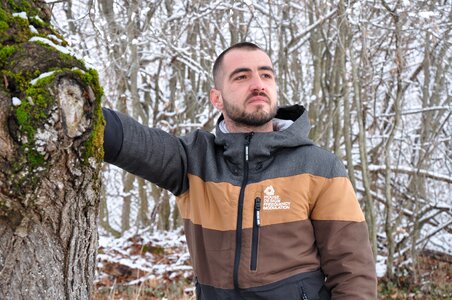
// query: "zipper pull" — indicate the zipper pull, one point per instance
point(257, 208)
point(246, 152)
point(247, 143)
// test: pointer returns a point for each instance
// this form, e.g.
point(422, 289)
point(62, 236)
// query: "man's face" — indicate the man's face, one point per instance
point(246, 88)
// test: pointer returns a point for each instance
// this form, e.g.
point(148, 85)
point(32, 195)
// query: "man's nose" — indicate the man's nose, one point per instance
point(257, 84)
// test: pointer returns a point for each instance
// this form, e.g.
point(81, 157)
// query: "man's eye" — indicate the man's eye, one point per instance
point(241, 77)
point(267, 76)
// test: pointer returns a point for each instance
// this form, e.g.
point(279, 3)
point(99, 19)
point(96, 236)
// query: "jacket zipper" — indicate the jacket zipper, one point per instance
point(238, 233)
point(255, 238)
point(303, 294)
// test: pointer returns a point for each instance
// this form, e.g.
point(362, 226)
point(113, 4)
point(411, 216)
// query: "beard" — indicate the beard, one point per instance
point(258, 117)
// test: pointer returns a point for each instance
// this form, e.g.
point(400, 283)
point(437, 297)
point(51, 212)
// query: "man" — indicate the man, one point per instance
point(267, 214)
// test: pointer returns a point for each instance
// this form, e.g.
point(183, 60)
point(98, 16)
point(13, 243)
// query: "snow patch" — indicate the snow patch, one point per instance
point(77, 69)
point(426, 14)
point(16, 101)
point(381, 266)
point(43, 75)
point(38, 19)
point(33, 29)
point(55, 38)
point(134, 251)
point(22, 15)
point(52, 44)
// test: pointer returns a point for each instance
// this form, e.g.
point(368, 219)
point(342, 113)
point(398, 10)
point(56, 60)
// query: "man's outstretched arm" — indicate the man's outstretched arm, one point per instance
point(150, 153)
point(113, 136)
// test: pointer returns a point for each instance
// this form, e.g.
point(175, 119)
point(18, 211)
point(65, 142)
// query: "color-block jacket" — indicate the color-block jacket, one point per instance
point(266, 215)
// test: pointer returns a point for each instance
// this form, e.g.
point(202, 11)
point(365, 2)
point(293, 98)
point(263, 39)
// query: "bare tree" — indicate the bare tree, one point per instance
point(372, 74)
point(51, 136)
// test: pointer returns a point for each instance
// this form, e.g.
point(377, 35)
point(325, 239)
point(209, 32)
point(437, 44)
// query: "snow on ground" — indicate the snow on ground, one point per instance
point(381, 265)
point(141, 256)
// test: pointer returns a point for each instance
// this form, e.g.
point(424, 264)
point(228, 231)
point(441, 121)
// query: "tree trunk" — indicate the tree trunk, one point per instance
point(51, 136)
point(128, 180)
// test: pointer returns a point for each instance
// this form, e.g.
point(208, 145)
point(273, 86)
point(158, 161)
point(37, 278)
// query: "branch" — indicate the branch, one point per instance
point(294, 44)
point(410, 171)
point(416, 111)
point(55, 1)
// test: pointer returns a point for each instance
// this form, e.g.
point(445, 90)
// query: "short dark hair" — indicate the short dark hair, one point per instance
point(219, 60)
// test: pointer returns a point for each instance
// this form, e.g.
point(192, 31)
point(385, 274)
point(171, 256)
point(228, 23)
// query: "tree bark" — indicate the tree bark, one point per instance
point(51, 132)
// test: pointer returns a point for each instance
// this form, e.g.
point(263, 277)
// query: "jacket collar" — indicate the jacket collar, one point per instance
point(278, 125)
point(264, 144)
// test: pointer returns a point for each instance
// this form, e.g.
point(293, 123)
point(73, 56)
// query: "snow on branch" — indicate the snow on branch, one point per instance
point(416, 111)
point(412, 171)
point(294, 44)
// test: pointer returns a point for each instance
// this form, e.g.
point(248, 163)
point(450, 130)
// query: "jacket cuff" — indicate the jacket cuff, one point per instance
point(113, 135)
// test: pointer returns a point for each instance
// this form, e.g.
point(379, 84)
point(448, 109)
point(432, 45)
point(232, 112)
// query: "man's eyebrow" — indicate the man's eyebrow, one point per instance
point(240, 70)
point(266, 68)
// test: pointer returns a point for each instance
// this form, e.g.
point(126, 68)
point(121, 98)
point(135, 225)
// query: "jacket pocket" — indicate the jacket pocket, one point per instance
point(255, 235)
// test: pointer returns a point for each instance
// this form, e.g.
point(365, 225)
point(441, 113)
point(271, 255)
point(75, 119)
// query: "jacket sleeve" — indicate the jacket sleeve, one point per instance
point(342, 239)
point(150, 153)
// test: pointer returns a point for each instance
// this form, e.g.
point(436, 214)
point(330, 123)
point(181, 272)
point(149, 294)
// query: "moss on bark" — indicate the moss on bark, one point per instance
point(51, 131)
point(23, 60)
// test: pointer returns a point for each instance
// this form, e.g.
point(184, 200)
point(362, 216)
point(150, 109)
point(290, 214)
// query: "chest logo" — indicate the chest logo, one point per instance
point(272, 201)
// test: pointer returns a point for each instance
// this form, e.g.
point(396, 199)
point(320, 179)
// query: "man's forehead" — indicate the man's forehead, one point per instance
point(245, 58)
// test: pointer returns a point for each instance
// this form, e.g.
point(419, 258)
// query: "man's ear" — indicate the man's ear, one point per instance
point(216, 99)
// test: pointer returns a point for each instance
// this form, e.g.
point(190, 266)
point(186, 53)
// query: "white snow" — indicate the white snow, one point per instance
point(52, 44)
point(147, 262)
point(77, 69)
point(43, 75)
point(16, 101)
point(55, 38)
point(33, 29)
point(22, 15)
point(38, 18)
point(381, 266)
point(157, 44)
point(426, 14)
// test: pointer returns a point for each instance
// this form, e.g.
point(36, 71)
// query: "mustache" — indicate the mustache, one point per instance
point(258, 93)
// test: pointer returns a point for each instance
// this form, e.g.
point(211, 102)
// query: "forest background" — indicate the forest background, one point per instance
point(373, 75)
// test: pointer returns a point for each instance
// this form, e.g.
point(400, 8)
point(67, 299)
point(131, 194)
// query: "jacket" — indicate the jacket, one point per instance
point(266, 215)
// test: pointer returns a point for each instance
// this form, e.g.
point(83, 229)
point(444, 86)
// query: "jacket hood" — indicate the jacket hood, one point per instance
point(264, 144)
